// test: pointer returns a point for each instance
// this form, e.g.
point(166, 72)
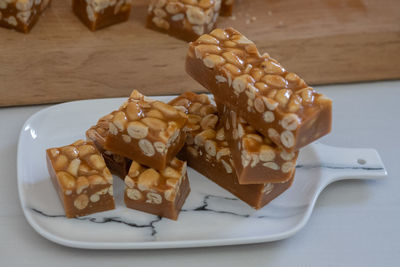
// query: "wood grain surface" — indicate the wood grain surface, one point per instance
point(325, 41)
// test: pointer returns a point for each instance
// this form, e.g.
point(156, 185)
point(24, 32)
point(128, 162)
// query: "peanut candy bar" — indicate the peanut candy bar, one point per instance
point(226, 8)
point(98, 14)
point(81, 178)
point(204, 138)
point(117, 164)
point(183, 19)
point(161, 193)
point(207, 151)
point(277, 103)
point(255, 195)
point(21, 15)
point(257, 159)
point(147, 131)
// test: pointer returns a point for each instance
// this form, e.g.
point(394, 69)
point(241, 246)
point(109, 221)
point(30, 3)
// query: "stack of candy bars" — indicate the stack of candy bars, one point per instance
point(247, 143)
point(209, 151)
point(264, 115)
point(138, 142)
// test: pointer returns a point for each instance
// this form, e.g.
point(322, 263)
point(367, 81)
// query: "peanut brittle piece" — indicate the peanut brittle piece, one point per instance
point(81, 178)
point(98, 14)
point(21, 15)
point(183, 19)
point(162, 193)
point(257, 159)
point(275, 102)
point(147, 131)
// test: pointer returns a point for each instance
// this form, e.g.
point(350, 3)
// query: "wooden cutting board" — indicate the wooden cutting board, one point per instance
point(325, 41)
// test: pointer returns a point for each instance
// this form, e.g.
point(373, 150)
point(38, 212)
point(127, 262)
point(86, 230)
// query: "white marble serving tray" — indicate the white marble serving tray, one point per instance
point(210, 217)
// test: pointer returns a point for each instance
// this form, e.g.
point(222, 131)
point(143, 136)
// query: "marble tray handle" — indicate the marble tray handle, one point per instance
point(339, 163)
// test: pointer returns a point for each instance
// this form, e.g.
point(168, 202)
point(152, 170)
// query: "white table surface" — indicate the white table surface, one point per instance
point(355, 223)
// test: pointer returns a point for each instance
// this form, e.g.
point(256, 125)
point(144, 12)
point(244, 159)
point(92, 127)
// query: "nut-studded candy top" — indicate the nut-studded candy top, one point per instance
point(282, 98)
point(150, 184)
point(196, 15)
point(154, 124)
point(79, 166)
point(21, 5)
point(95, 7)
point(247, 71)
point(100, 5)
point(203, 130)
point(201, 113)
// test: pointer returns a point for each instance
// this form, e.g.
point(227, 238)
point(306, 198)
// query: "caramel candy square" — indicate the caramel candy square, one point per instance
point(257, 159)
point(183, 19)
point(147, 131)
point(207, 151)
point(227, 8)
point(157, 192)
point(98, 14)
point(21, 15)
point(117, 164)
point(275, 102)
point(81, 178)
